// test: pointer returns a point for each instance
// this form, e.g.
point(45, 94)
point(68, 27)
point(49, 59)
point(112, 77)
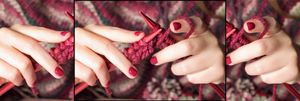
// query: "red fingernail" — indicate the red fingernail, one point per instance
point(228, 60)
point(176, 25)
point(63, 33)
point(153, 60)
point(137, 33)
point(132, 71)
point(59, 71)
point(250, 25)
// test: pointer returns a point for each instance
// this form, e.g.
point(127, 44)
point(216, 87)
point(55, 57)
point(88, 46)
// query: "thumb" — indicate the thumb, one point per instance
point(193, 25)
point(267, 25)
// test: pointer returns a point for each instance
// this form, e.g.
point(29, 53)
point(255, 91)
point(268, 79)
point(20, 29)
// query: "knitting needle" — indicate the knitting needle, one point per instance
point(155, 27)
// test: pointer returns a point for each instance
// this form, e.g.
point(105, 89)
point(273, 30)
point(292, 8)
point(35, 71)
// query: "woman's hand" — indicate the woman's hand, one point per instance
point(279, 61)
point(205, 63)
point(17, 42)
point(93, 40)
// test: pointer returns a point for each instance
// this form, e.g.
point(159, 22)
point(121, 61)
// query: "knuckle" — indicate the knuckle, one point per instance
point(174, 69)
point(32, 45)
point(253, 69)
point(248, 70)
point(99, 64)
point(89, 75)
point(262, 47)
point(187, 47)
point(26, 63)
point(15, 76)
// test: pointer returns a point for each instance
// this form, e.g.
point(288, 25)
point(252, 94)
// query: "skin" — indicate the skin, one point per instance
point(280, 61)
point(21, 40)
point(93, 40)
point(205, 63)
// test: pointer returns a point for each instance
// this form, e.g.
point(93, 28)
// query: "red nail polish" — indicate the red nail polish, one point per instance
point(250, 25)
point(137, 33)
point(153, 60)
point(63, 33)
point(176, 25)
point(59, 71)
point(228, 60)
point(132, 71)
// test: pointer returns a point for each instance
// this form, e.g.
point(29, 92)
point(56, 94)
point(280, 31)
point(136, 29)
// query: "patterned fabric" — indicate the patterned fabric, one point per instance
point(49, 14)
point(239, 85)
point(153, 82)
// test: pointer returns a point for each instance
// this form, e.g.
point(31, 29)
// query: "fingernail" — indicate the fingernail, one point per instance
point(137, 33)
point(132, 71)
point(63, 33)
point(176, 25)
point(153, 60)
point(59, 71)
point(228, 60)
point(250, 25)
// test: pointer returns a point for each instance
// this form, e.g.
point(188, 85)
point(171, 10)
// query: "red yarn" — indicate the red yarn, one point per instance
point(140, 50)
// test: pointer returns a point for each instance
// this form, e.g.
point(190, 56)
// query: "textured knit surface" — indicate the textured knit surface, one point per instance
point(152, 82)
point(241, 86)
point(49, 14)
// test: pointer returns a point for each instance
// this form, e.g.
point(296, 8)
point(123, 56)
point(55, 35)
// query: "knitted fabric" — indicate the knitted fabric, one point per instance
point(49, 14)
point(239, 85)
point(152, 82)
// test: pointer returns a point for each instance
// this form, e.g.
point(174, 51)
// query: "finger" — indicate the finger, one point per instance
point(42, 33)
point(105, 47)
point(29, 46)
point(258, 48)
point(10, 73)
point(257, 25)
point(116, 34)
point(266, 64)
point(183, 48)
point(214, 74)
point(196, 63)
point(84, 73)
point(285, 74)
point(95, 62)
point(20, 61)
point(183, 25)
